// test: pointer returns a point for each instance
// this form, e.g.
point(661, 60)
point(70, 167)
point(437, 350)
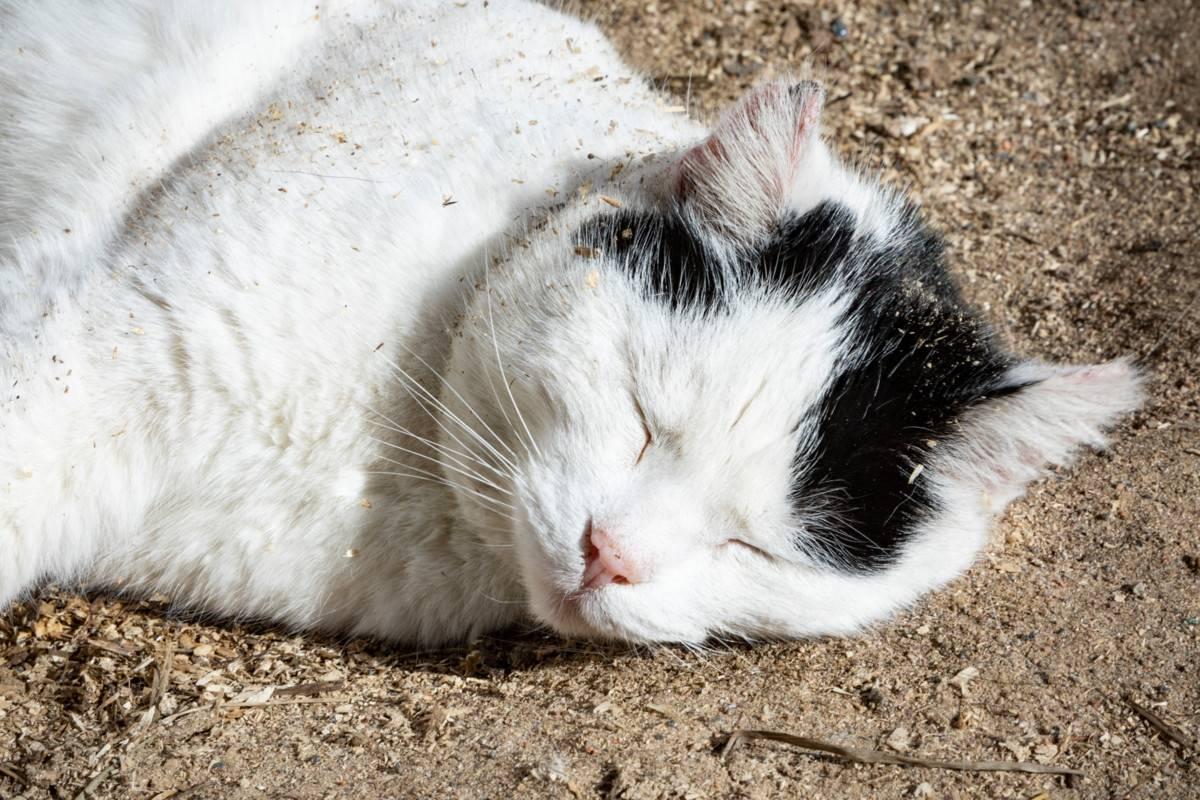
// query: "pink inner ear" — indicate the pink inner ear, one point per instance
point(1057, 410)
point(809, 106)
point(771, 111)
point(1100, 374)
point(697, 160)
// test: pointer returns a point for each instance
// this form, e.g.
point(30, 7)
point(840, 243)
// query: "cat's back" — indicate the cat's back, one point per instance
point(103, 105)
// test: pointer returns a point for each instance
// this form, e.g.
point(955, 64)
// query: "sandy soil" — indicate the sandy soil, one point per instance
point(1056, 146)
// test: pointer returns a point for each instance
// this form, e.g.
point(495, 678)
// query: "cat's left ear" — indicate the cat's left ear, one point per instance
point(737, 180)
point(1040, 415)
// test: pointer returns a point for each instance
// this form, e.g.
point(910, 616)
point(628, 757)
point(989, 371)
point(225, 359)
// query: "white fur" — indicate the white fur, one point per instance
point(318, 347)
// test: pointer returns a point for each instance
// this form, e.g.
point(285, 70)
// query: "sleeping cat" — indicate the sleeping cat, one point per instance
point(415, 320)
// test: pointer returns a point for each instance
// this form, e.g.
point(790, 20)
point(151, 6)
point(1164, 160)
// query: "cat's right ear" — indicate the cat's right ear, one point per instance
point(736, 182)
point(1040, 415)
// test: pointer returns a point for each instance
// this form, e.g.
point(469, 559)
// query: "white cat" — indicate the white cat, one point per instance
point(417, 319)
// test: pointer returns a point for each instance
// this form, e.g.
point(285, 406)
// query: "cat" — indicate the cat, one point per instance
point(418, 320)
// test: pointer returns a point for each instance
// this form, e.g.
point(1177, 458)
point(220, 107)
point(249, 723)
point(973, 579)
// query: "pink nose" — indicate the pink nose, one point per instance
point(604, 563)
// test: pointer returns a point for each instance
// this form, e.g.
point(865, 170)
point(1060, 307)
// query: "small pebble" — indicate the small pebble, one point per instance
point(839, 29)
point(871, 697)
point(900, 740)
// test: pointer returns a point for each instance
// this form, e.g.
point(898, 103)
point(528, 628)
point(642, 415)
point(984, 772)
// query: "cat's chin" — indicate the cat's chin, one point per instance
point(598, 615)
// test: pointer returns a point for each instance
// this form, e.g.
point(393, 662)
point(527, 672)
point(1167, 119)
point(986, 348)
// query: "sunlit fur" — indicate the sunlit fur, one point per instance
point(298, 325)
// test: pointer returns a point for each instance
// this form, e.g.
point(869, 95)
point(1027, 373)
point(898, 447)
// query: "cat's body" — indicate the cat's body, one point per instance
point(254, 263)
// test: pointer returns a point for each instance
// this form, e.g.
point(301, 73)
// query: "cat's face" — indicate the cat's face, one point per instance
point(749, 403)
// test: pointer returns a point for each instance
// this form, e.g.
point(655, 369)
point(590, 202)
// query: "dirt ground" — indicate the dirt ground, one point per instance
point(1056, 146)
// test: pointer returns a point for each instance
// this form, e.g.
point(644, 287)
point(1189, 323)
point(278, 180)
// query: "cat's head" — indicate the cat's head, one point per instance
point(741, 397)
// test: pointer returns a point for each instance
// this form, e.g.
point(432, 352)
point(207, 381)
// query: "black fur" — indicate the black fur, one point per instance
point(926, 358)
point(664, 254)
point(808, 252)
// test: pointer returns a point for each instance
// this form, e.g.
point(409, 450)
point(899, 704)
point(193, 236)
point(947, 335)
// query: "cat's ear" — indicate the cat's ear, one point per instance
point(1039, 415)
point(737, 180)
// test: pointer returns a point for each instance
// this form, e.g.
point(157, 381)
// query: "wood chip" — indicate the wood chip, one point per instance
point(112, 647)
point(963, 679)
point(13, 772)
point(663, 711)
point(1166, 729)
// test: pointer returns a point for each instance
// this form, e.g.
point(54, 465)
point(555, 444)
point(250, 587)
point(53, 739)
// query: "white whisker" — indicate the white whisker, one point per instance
point(488, 373)
point(463, 400)
point(448, 481)
point(467, 472)
point(442, 407)
point(503, 602)
point(454, 418)
point(412, 383)
point(457, 455)
point(420, 474)
point(496, 347)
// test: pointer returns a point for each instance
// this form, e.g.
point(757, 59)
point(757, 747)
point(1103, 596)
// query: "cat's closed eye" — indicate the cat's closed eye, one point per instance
point(649, 440)
point(743, 544)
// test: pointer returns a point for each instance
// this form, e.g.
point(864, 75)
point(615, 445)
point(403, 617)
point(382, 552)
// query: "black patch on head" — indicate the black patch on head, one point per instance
point(663, 252)
point(673, 263)
point(921, 357)
point(808, 252)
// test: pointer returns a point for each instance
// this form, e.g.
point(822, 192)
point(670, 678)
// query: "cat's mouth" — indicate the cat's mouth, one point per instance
point(611, 611)
point(585, 611)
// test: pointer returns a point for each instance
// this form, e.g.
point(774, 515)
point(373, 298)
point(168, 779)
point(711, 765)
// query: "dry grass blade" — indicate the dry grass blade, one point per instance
point(290, 701)
point(112, 647)
point(317, 687)
point(857, 756)
point(96, 780)
point(287, 701)
point(13, 772)
point(162, 674)
point(1159, 724)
